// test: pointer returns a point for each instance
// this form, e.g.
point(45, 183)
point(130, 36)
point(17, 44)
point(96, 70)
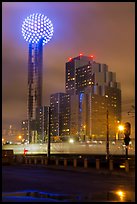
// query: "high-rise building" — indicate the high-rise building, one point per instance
point(100, 109)
point(11, 135)
point(78, 74)
point(24, 129)
point(37, 29)
point(60, 113)
point(42, 120)
point(93, 91)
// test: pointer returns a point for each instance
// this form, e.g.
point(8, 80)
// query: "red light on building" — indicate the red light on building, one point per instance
point(91, 56)
point(80, 54)
point(70, 58)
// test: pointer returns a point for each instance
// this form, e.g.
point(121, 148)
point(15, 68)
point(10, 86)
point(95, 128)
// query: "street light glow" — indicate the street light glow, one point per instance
point(121, 127)
point(71, 140)
point(121, 195)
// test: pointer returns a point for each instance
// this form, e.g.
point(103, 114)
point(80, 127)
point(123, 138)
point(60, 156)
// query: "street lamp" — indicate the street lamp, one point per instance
point(107, 142)
point(120, 127)
point(107, 136)
point(84, 132)
point(71, 141)
point(19, 137)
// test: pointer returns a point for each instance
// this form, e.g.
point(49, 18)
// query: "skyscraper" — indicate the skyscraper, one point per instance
point(60, 113)
point(42, 114)
point(24, 129)
point(37, 29)
point(93, 90)
point(78, 74)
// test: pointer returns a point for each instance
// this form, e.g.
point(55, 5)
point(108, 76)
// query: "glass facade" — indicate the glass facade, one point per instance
point(88, 83)
point(35, 62)
point(60, 113)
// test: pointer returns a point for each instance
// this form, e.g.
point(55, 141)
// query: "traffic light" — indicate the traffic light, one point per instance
point(127, 140)
point(127, 131)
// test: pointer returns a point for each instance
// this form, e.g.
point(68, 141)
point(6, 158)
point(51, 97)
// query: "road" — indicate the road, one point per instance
point(19, 178)
point(72, 148)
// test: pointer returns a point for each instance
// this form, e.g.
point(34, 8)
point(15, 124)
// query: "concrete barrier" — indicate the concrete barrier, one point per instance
point(127, 165)
point(46, 161)
point(42, 161)
point(111, 165)
point(85, 163)
point(29, 160)
point(26, 160)
point(97, 164)
point(65, 162)
point(75, 163)
point(57, 162)
point(35, 161)
point(19, 159)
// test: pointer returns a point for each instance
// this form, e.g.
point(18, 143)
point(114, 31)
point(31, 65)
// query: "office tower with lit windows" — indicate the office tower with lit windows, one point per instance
point(37, 29)
point(78, 74)
point(42, 122)
point(93, 91)
point(60, 113)
point(24, 129)
point(98, 103)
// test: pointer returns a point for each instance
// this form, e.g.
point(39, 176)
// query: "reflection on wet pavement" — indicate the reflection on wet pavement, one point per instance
point(37, 196)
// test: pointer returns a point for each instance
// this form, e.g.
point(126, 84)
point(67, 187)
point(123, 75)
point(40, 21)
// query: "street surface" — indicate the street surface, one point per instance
point(86, 184)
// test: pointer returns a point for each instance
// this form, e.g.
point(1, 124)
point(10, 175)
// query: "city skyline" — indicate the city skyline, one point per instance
point(95, 34)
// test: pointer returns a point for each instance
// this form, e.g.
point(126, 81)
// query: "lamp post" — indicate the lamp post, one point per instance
point(107, 134)
point(107, 140)
point(48, 151)
point(120, 130)
point(84, 138)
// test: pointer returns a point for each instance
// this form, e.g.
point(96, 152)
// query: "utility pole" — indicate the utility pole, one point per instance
point(48, 148)
point(107, 140)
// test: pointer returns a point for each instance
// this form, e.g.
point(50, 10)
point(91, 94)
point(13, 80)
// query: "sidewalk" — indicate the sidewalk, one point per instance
point(85, 170)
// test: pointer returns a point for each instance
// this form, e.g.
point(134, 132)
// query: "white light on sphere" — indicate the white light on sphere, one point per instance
point(34, 26)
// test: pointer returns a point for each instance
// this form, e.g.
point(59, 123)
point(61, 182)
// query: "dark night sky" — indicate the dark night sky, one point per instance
point(106, 30)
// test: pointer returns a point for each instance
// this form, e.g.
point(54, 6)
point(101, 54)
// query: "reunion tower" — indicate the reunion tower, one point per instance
point(37, 30)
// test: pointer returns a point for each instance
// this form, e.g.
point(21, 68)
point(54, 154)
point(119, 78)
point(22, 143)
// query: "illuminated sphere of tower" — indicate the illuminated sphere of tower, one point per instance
point(37, 27)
